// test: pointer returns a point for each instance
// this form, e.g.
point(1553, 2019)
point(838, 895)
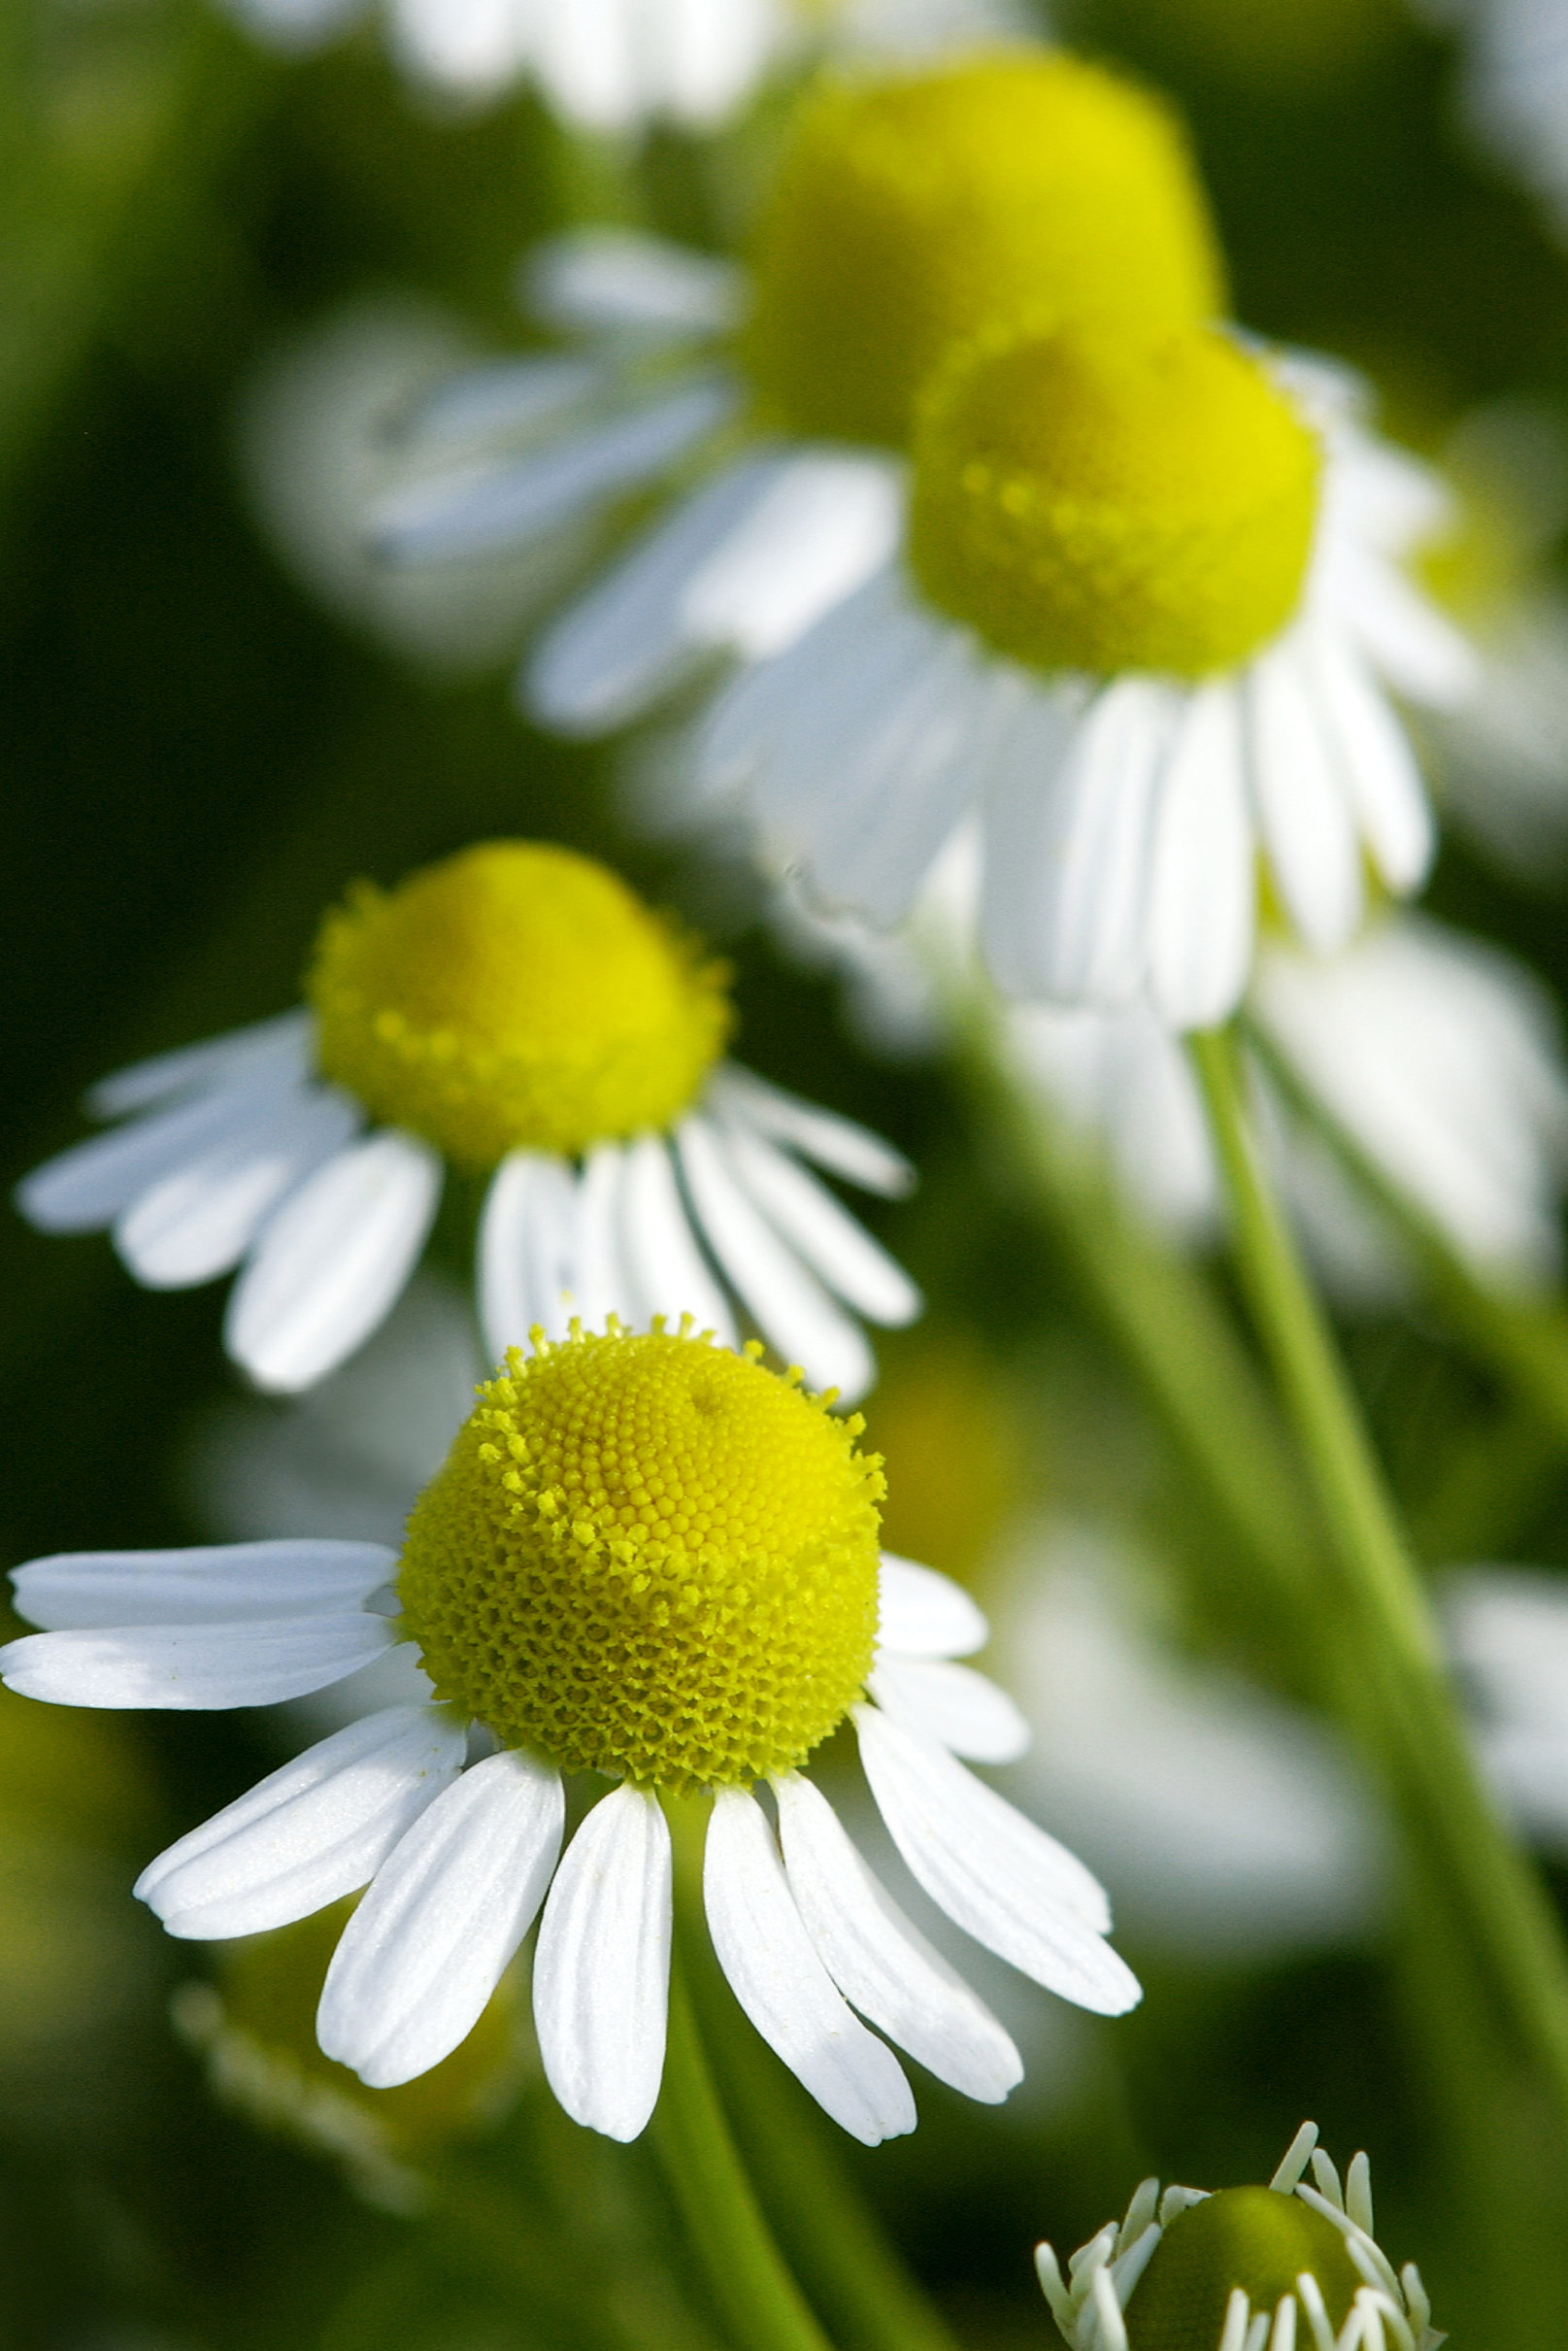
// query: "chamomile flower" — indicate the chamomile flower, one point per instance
point(513, 1013)
point(1242, 2269)
point(645, 1560)
point(1146, 627)
point(910, 206)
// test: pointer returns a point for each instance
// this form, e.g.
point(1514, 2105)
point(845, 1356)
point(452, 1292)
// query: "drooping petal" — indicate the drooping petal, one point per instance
point(318, 1829)
point(776, 1976)
point(1302, 798)
point(1379, 766)
point(199, 1220)
point(88, 1185)
point(835, 1143)
point(963, 1709)
point(527, 1250)
point(447, 1910)
point(920, 1613)
point(204, 1584)
point(883, 1963)
point(997, 1876)
point(823, 1232)
point(333, 1262)
point(282, 1044)
point(256, 1664)
point(666, 1266)
point(601, 1283)
point(1202, 893)
point(602, 1966)
point(613, 280)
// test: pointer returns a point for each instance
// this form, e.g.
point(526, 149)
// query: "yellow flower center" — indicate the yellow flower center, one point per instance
point(648, 1557)
point(1105, 501)
point(1251, 2237)
point(911, 209)
point(513, 996)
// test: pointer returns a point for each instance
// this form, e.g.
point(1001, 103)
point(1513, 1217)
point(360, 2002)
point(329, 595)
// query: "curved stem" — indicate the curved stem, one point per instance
point(748, 2280)
point(1506, 1917)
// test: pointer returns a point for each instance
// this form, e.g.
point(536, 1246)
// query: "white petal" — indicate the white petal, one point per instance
point(1303, 799)
point(428, 1946)
point(516, 398)
point(879, 1960)
point(833, 1142)
point(586, 56)
point(666, 1266)
point(1202, 899)
point(203, 1584)
point(602, 1284)
point(87, 1186)
point(527, 1245)
point(1416, 647)
point(795, 1313)
point(596, 281)
point(332, 1262)
point(256, 1664)
point(602, 1965)
point(924, 1614)
point(283, 1041)
point(200, 1220)
point(827, 518)
point(310, 1833)
point(1379, 766)
point(821, 1231)
point(997, 1876)
point(775, 1973)
point(714, 50)
point(965, 1710)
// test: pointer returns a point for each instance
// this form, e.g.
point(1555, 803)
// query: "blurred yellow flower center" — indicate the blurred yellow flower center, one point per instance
point(1251, 2237)
point(514, 996)
point(912, 209)
point(1102, 501)
point(648, 1557)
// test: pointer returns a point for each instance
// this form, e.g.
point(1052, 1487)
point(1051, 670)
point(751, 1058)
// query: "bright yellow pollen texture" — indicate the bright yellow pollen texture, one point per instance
point(1250, 2237)
point(514, 996)
point(910, 212)
point(648, 1557)
point(1099, 501)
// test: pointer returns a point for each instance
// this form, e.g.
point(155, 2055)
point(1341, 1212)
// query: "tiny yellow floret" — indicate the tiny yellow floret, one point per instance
point(648, 1557)
point(1253, 2237)
point(914, 207)
point(514, 997)
point(1105, 501)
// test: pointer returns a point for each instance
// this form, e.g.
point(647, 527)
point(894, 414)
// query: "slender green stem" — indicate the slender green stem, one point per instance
point(746, 2273)
point(1508, 1920)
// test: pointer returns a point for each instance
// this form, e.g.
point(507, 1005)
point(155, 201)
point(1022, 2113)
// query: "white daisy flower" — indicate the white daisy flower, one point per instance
point(1146, 628)
point(908, 208)
point(1439, 1057)
point(517, 1012)
point(648, 1559)
point(1243, 2270)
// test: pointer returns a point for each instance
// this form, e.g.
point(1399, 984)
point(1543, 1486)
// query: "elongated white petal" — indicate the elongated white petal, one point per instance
point(920, 1613)
point(1202, 895)
point(835, 1143)
point(333, 1262)
point(282, 1043)
point(200, 1219)
point(826, 519)
point(1417, 647)
point(1303, 801)
point(428, 1946)
point(883, 1963)
point(713, 53)
point(310, 1833)
point(602, 1284)
point(519, 400)
point(822, 1231)
point(954, 1703)
point(793, 1311)
point(88, 1185)
point(527, 1243)
point(665, 1265)
point(204, 1584)
point(204, 1667)
point(602, 1966)
point(776, 1976)
point(1379, 766)
point(594, 281)
point(587, 62)
point(997, 1876)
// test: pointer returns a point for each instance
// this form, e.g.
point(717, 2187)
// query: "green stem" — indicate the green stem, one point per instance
point(750, 2287)
point(1508, 1919)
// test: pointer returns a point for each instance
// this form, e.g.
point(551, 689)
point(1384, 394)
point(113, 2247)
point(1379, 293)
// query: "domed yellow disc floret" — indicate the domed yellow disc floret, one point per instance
point(912, 210)
point(1251, 2237)
point(516, 995)
point(651, 1557)
point(1103, 501)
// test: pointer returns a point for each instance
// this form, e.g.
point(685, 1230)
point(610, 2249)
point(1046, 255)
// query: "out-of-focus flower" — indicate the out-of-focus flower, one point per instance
point(1242, 2269)
point(514, 1012)
point(617, 1489)
point(1508, 1634)
point(1515, 61)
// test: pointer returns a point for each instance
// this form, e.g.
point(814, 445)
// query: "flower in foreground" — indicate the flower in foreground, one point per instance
point(514, 1012)
point(645, 1559)
point(909, 207)
point(1242, 2269)
point(1146, 628)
